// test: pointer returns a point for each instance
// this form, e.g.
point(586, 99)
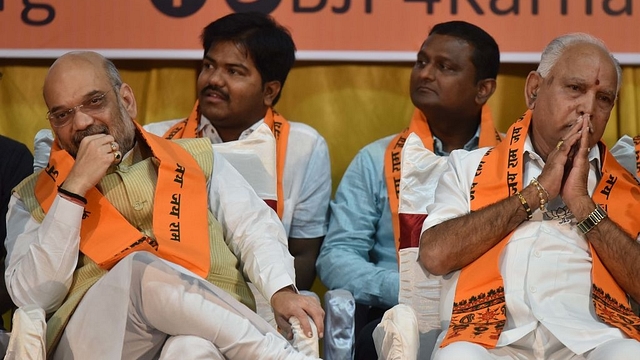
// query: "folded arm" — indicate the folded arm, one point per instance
point(453, 236)
point(619, 251)
point(256, 235)
point(457, 242)
point(41, 257)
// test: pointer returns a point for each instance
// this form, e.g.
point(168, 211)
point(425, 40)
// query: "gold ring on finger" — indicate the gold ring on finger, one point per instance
point(117, 156)
point(114, 146)
point(559, 144)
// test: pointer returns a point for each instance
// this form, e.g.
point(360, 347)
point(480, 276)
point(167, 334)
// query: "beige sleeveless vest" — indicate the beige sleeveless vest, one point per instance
point(131, 190)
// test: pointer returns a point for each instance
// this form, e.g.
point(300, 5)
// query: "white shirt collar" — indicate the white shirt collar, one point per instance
point(206, 129)
point(472, 144)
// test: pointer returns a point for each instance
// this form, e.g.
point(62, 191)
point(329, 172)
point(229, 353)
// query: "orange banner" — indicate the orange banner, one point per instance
point(375, 30)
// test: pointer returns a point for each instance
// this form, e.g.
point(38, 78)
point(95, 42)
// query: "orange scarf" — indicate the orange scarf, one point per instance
point(179, 214)
point(636, 141)
point(479, 308)
point(188, 128)
point(489, 136)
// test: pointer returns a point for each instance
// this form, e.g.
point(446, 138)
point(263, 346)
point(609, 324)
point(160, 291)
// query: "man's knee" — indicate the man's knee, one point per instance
point(198, 348)
point(461, 350)
point(134, 262)
point(135, 265)
point(623, 349)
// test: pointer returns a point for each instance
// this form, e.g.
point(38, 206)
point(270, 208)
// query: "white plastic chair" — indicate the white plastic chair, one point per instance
point(27, 341)
point(339, 325)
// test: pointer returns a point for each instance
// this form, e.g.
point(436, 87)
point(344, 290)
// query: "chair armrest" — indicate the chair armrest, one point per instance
point(42, 143)
point(27, 341)
point(421, 291)
point(339, 325)
point(304, 344)
point(397, 336)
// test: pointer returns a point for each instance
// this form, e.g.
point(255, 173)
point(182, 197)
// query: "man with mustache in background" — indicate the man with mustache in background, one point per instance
point(247, 57)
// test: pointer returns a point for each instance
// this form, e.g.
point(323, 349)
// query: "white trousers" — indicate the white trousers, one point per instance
point(540, 344)
point(198, 349)
point(144, 303)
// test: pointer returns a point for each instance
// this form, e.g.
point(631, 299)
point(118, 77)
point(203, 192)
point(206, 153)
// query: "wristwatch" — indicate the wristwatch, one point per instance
point(592, 220)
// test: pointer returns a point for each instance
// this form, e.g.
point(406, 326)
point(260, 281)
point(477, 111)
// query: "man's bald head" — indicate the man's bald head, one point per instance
point(85, 96)
point(85, 60)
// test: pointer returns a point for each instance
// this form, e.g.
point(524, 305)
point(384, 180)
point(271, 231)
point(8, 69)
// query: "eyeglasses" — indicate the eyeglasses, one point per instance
point(92, 106)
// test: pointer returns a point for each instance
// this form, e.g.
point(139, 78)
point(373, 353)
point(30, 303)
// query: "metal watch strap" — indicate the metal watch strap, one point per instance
point(592, 220)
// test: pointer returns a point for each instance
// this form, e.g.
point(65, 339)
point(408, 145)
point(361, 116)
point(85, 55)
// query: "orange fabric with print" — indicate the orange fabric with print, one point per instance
point(479, 308)
point(180, 223)
point(489, 136)
point(636, 142)
point(279, 126)
point(188, 128)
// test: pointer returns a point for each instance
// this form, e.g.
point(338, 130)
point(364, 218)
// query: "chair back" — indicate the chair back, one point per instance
point(420, 290)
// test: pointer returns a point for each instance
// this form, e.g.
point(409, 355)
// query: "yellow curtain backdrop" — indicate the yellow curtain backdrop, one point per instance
point(350, 104)
point(163, 89)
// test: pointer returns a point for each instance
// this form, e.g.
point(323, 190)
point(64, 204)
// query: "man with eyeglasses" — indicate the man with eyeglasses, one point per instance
point(115, 237)
point(247, 58)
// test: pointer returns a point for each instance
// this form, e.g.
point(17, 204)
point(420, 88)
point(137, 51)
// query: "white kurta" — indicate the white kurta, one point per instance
point(42, 256)
point(306, 180)
point(307, 172)
point(546, 266)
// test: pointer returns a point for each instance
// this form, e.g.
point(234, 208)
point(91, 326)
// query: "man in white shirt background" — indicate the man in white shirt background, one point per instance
point(247, 58)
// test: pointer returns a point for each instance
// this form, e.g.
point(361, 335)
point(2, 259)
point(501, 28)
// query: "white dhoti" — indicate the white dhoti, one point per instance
point(540, 344)
point(143, 301)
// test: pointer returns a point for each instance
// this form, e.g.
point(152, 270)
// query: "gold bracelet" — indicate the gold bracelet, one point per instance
point(592, 220)
point(525, 205)
point(542, 192)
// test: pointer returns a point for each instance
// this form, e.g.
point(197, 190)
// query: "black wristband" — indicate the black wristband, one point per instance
point(525, 205)
point(71, 195)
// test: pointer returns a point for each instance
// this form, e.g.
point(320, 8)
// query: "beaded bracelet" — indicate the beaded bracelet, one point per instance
point(525, 205)
point(542, 194)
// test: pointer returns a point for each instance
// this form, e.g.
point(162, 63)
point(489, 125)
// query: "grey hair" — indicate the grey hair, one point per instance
point(109, 67)
point(559, 45)
point(113, 74)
